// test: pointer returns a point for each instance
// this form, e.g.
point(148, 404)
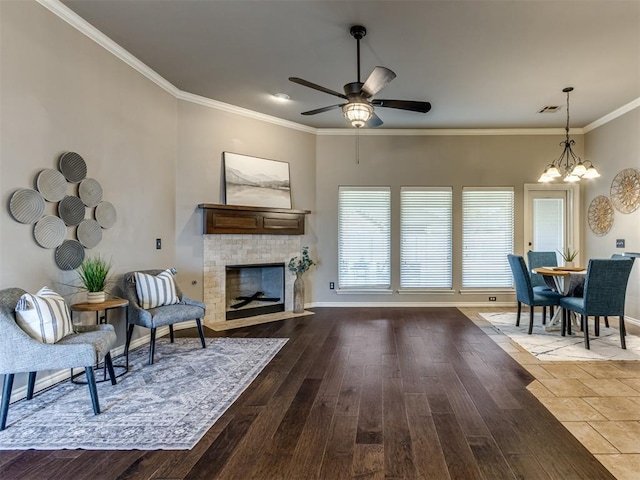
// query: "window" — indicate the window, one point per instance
point(364, 237)
point(425, 237)
point(487, 236)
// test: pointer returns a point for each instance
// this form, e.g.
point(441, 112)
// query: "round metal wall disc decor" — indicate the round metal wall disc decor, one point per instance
point(106, 214)
point(625, 190)
point(69, 255)
point(50, 231)
point(90, 192)
point(600, 215)
point(26, 205)
point(89, 233)
point(73, 167)
point(71, 210)
point(52, 185)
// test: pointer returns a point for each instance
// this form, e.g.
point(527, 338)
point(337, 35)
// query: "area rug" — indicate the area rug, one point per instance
point(551, 346)
point(169, 405)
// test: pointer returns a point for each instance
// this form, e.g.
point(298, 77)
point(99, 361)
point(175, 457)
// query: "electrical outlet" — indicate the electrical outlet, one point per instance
point(332, 286)
point(158, 243)
point(492, 299)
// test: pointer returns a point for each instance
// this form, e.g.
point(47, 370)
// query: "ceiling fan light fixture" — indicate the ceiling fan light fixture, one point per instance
point(357, 113)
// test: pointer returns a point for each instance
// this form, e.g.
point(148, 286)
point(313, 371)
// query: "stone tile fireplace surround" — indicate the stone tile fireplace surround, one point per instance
point(221, 250)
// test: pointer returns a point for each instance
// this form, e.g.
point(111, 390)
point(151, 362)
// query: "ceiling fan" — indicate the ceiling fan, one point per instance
point(359, 108)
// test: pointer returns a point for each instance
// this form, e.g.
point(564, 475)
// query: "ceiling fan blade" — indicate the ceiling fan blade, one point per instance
point(320, 88)
point(323, 109)
point(380, 77)
point(374, 121)
point(411, 105)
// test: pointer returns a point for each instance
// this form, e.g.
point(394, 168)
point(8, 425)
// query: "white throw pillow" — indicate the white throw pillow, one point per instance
point(156, 290)
point(44, 316)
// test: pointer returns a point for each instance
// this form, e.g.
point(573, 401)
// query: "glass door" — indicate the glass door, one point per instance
point(552, 218)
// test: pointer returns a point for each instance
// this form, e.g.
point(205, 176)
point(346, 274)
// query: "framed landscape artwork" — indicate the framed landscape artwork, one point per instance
point(256, 182)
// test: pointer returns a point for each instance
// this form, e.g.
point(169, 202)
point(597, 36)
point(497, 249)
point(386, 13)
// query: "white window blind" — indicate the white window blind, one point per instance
point(548, 224)
point(426, 237)
point(364, 237)
point(487, 237)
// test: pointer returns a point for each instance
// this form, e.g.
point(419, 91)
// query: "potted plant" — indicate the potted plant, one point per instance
point(299, 266)
point(93, 273)
point(568, 256)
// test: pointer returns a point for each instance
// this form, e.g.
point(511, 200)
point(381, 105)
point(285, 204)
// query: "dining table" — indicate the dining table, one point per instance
point(564, 280)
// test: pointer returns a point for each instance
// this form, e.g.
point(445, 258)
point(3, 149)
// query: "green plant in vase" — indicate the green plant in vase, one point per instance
point(299, 266)
point(93, 273)
point(568, 256)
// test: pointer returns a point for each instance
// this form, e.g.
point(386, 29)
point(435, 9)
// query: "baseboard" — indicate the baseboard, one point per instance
point(411, 304)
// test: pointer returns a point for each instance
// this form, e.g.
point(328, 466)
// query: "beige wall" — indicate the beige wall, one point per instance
point(457, 161)
point(614, 147)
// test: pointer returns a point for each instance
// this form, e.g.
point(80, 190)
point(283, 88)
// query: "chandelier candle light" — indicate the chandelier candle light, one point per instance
point(568, 164)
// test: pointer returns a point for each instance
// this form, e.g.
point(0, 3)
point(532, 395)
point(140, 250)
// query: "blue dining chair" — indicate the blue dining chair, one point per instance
point(618, 256)
point(540, 259)
point(525, 293)
point(605, 289)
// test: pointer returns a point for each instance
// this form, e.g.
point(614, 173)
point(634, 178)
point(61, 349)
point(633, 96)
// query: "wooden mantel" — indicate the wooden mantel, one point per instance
point(252, 220)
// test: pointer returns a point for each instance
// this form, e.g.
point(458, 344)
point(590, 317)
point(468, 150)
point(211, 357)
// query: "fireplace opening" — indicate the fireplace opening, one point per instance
point(254, 289)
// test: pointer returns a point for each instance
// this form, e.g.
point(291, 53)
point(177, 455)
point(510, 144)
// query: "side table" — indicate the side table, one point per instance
point(108, 304)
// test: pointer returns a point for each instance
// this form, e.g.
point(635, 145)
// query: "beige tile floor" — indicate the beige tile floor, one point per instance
point(598, 402)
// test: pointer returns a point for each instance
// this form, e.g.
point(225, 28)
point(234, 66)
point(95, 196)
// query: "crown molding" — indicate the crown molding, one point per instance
point(226, 107)
point(446, 131)
point(613, 115)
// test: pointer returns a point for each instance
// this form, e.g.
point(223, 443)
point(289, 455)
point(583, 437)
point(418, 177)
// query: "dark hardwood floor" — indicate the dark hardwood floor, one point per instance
point(367, 393)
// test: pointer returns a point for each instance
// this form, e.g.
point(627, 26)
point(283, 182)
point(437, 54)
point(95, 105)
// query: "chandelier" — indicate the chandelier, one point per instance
point(568, 164)
point(357, 113)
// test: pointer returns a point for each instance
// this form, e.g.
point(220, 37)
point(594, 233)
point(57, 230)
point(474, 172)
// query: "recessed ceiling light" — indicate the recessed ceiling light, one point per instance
point(283, 97)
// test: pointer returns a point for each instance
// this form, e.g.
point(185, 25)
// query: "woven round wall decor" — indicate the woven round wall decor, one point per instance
point(73, 167)
point(50, 231)
point(89, 233)
point(52, 185)
point(71, 210)
point(625, 190)
point(27, 205)
point(600, 215)
point(90, 192)
point(69, 255)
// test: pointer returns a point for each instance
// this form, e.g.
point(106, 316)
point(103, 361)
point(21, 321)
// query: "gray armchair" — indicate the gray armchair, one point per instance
point(19, 353)
point(161, 316)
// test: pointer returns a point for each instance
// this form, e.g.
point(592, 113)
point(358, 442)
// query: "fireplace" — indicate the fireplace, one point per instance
point(236, 235)
point(254, 289)
point(222, 250)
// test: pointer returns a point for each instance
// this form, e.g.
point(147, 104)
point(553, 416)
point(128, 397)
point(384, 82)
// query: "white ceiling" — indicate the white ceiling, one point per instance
point(482, 64)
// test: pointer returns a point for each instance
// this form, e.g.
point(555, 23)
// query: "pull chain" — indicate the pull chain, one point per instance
point(357, 146)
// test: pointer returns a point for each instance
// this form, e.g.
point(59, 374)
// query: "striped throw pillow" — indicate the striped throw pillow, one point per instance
point(156, 290)
point(44, 316)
